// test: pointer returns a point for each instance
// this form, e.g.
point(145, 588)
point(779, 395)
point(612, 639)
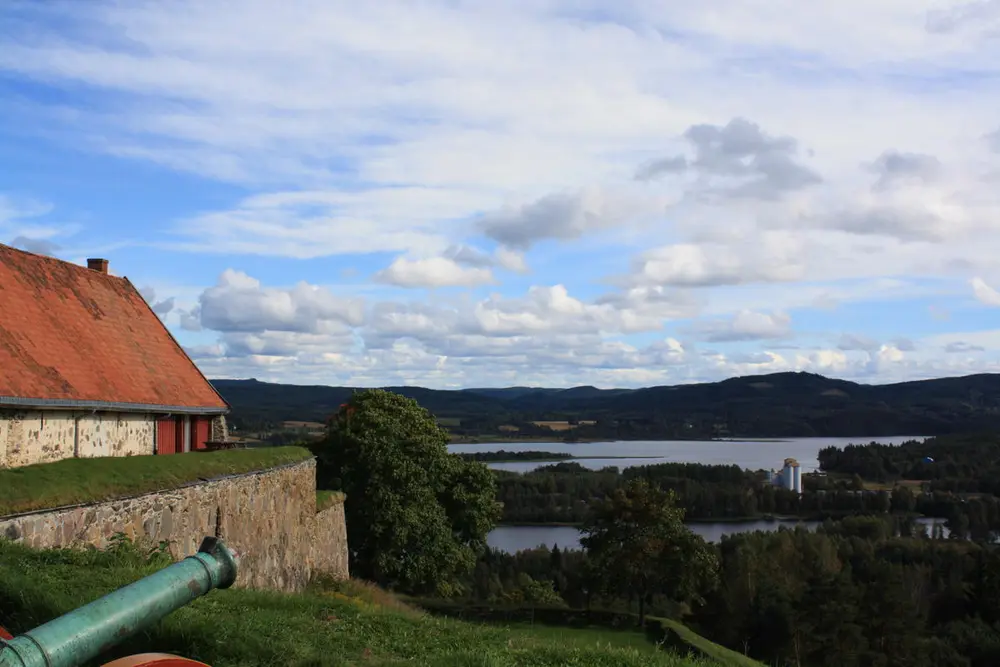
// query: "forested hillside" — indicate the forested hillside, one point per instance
point(781, 404)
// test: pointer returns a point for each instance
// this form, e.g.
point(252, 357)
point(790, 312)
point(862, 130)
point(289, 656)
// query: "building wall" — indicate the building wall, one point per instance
point(124, 434)
point(268, 517)
point(34, 436)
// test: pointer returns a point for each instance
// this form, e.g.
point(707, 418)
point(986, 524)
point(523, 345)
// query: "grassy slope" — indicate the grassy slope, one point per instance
point(346, 626)
point(717, 653)
point(75, 481)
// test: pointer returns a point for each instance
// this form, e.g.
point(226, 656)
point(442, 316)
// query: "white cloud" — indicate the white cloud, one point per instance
point(773, 257)
point(433, 272)
point(239, 303)
point(984, 293)
point(737, 160)
point(745, 325)
point(24, 224)
point(163, 307)
point(316, 224)
point(563, 216)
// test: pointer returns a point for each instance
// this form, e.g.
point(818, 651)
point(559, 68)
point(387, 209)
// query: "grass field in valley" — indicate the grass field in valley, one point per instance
point(78, 481)
point(338, 624)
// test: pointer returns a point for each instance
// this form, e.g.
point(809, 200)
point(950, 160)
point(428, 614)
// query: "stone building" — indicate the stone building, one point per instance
point(88, 369)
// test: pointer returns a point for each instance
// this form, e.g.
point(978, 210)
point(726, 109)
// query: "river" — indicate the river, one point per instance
point(750, 454)
point(518, 538)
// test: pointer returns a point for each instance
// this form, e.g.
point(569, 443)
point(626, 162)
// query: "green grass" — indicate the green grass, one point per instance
point(327, 499)
point(336, 625)
point(719, 654)
point(584, 637)
point(77, 481)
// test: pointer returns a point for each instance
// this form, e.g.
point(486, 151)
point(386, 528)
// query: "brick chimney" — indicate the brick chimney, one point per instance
point(99, 265)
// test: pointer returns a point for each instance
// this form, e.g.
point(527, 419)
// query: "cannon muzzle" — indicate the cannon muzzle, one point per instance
point(84, 633)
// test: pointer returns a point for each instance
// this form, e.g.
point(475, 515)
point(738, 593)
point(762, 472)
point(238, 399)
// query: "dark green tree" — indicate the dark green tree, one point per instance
point(417, 516)
point(638, 541)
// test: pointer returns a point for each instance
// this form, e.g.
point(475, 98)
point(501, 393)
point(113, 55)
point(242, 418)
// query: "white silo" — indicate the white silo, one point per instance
point(787, 477)
point(792, 475)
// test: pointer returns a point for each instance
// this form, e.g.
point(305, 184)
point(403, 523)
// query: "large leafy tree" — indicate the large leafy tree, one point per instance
point(639, 543)
point(417, 516)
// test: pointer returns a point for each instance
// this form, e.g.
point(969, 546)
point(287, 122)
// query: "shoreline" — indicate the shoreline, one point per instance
point(561, 460)
point(577, 524)
point(499, 440)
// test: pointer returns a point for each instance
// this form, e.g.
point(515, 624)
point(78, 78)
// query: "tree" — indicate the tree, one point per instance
point(417, 516)
point(638, 540)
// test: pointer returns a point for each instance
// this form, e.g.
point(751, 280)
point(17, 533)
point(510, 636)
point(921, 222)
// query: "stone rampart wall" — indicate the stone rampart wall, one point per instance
point(268, 517)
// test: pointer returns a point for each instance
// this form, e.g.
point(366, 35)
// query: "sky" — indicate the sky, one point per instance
point(522, 192)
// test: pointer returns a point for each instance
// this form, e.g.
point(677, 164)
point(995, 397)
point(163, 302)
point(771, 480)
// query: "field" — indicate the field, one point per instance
point(913, 484)
point(77, 481)
point(334, 624)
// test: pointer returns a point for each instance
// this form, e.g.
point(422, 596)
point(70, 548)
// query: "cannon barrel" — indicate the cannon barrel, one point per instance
point(82, 634)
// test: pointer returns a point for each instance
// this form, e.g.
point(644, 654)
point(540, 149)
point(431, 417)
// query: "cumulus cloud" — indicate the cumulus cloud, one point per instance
point(773, 257)
point(962, 346)
point(562, 216)
point(745, 325)
point(738, 159)
point(239, 303)
point(893, 167)
point(552, 308)
point(162, 307)
point(856, 342)
point(502, 257)
point(433, 272)
point(37, 246)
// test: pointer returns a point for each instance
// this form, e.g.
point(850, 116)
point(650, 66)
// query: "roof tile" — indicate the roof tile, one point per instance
point(71, 333)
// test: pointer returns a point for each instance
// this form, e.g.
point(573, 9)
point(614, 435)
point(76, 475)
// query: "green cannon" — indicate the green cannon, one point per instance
point(83, 634)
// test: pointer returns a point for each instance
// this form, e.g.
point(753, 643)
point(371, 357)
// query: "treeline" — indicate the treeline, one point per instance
point(563, 492)
point(966, 463)
point(854, 593)
point(851, 594)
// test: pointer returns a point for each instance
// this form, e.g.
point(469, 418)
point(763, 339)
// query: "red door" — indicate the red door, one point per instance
point(167, 436)
point(202, 431)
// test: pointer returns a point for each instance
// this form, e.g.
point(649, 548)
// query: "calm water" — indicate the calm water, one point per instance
point(518, 538)
point(754, 455)
point(750, 454)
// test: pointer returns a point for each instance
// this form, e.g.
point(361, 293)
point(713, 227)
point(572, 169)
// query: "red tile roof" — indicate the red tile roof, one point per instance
point(70, 336)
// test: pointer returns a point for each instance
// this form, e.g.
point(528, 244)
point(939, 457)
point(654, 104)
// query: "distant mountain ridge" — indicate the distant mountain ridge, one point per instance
point(778, 404)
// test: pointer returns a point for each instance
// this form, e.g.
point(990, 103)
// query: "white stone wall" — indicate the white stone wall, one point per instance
point(110, 434)
point(33, 436)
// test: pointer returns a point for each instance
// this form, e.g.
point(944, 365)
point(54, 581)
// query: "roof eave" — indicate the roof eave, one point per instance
point(107, 406)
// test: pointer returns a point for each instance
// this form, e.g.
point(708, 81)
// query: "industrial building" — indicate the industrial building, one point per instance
point(789, 477)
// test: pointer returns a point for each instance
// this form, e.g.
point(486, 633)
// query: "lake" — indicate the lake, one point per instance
point(518, 538)
point(750, 454)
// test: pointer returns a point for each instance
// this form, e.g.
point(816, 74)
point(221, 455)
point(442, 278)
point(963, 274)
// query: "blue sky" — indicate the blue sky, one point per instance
point(521, 193)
